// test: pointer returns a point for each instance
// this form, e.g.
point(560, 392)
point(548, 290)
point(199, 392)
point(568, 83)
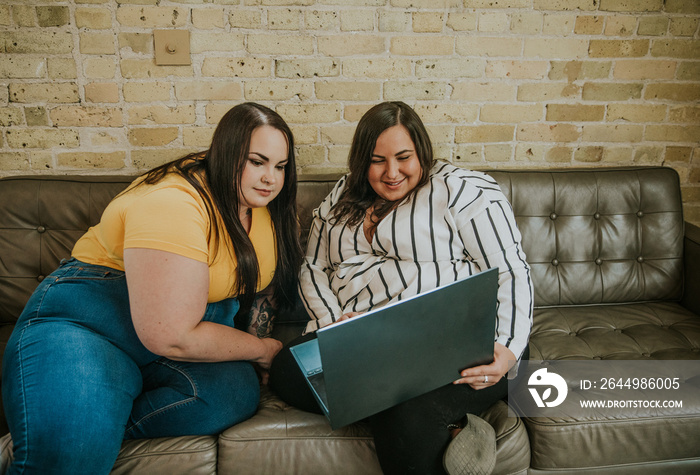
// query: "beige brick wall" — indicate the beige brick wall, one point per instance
point(500, 84)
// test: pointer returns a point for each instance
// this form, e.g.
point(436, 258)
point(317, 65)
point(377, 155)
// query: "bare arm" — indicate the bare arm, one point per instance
point(168, 296)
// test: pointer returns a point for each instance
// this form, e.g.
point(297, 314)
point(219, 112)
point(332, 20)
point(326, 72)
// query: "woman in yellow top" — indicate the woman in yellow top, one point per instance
point(134, 336)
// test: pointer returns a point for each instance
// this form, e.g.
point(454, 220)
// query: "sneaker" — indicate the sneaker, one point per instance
point(473, 450)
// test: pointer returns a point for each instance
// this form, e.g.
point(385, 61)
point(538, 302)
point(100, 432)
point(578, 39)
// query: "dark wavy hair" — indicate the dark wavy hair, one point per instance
point(216, 175)
point(358, 194)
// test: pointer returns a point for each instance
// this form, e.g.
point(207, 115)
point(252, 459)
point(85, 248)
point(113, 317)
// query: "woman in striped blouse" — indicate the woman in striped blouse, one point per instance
point(397, 225)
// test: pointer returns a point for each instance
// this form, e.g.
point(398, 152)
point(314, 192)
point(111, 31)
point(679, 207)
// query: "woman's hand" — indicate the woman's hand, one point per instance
point(272, 347)
point(262, 367)
point(483, 376)
point(345, 316)
point(348, 316)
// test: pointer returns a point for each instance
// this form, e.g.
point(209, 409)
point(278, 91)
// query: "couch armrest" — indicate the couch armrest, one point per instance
point(691, 265)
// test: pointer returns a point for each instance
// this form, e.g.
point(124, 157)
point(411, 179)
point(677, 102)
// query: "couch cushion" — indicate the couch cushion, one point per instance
point(191, 455)
point(598, 443)
point(656, 330)
point(659, 331)
point(599, 236)
point(195, 455)
point(283, 439)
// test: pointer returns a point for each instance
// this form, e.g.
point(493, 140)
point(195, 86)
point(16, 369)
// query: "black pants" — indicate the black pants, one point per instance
point(410, 437)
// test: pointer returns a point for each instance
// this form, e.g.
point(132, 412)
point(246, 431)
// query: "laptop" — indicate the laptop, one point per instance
point(363, 365)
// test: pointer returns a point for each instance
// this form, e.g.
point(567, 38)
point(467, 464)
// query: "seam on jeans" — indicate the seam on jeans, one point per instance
point(23, 395)
point(194, 397)
point(43, 296)
point(20, 364)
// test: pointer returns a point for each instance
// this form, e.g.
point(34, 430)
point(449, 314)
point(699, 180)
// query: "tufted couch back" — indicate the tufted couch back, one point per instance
point(592, 237)
point(599, 236)
point(41, 217)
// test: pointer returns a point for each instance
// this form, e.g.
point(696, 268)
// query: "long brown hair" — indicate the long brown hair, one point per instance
point(221, 167)
point(358, 195)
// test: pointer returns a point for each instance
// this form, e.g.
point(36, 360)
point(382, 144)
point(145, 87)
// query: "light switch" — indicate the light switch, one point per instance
point(172, 47)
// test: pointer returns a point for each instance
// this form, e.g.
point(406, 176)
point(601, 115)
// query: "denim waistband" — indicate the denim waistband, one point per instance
point(72, 262)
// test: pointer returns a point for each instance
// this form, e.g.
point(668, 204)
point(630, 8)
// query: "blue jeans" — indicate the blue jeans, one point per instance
point(77, 380)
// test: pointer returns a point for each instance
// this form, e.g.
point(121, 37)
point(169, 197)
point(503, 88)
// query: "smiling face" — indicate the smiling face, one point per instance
point(395, 169)
point(263, 175)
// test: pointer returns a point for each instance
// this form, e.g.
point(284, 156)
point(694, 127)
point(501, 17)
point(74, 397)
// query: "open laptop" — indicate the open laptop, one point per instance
point(381, 358)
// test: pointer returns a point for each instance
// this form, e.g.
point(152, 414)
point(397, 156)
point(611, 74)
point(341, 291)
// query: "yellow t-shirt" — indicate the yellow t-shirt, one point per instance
point(171, 216)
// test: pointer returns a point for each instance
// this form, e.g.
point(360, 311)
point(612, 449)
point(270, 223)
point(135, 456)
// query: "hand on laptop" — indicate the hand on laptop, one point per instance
point(348, 316)
point(480, 377)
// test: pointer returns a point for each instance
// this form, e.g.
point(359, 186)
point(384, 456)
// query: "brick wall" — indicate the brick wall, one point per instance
point(500, 83)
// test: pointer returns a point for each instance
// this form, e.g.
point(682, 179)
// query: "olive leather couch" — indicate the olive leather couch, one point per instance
point(616, 273)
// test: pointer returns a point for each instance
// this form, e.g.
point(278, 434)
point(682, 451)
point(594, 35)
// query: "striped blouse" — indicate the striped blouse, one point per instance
point(454, 226)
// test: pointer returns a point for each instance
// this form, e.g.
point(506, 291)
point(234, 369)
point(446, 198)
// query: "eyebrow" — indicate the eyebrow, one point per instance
point(408, 150)
point(281, 162)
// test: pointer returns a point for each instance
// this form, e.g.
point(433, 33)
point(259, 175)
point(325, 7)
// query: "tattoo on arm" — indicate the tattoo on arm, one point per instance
point(261, 316)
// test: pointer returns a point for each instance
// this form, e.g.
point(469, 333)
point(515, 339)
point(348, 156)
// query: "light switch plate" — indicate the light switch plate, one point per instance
point(172, 47)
